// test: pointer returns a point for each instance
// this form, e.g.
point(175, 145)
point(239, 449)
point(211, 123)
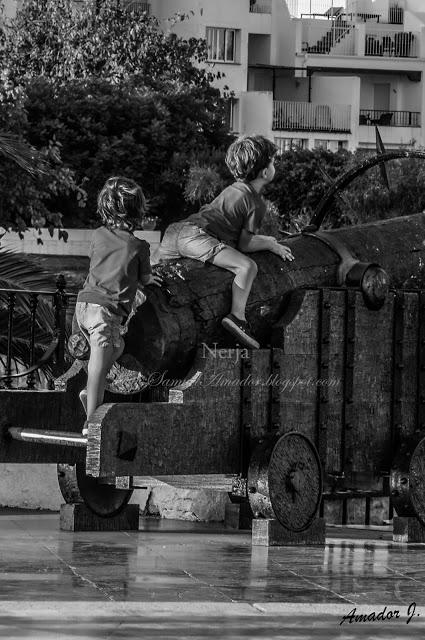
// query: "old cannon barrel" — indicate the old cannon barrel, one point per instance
point(186, 312)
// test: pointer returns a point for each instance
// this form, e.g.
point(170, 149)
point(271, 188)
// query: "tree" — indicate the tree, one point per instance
point(106, 92)
point(53, 39)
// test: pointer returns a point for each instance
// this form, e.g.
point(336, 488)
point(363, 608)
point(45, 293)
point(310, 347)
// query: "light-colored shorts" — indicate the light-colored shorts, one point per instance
point(101, 327)
point(182, 239)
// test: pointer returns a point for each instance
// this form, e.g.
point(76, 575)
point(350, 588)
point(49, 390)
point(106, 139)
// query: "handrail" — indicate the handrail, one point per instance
point(346, 178)
point(56, 348)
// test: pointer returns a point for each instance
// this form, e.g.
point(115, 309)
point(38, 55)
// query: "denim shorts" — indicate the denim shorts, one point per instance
point(101, 327)
point(186, 240)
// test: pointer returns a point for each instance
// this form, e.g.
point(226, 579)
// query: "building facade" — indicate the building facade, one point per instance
point(312, 73)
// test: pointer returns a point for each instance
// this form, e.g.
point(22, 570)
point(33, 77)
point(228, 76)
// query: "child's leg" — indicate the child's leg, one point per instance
point(101, 360)
point(193, 242)
point(245, 271)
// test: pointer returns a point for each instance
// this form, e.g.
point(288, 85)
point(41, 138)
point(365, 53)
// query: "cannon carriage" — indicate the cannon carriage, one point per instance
point(326, 418)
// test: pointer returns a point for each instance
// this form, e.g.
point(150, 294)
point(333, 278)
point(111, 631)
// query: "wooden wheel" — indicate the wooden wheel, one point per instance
point(407, 480)
point(104, 500)
point(285, 481)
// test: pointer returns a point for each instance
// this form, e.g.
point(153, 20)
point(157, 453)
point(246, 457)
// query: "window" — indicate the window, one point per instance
point(286, 144)
point(221, 44)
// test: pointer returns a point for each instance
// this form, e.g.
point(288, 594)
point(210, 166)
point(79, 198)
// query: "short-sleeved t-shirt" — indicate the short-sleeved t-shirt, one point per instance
point(237, 207)
point(118, 260)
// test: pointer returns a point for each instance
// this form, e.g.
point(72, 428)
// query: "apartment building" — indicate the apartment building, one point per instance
point(313, 73)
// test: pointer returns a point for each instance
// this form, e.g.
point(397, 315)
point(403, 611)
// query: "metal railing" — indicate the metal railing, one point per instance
point(263, 6)
point(139, 7)
point(397, 44)
point(372, 117)
point(346, 10)
point(57, 301)
point(299, 8)
point(308, 116)
point(324, 40)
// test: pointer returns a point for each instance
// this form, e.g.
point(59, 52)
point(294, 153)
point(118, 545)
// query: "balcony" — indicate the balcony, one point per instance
point(336, 39)
point(137, 6)
point(260, 6)
point(307, 116)
point(372, 117)
point(353, 11)
point(399, 44)
point(348, 39)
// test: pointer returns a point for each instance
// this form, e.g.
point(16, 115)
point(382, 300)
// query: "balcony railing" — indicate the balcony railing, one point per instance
point(341, 9)
point(372, 117)
point(260, 7)
point(329, 38)
point(139, 7)
point(308, 116)
point(399, 44)
point(33, 311)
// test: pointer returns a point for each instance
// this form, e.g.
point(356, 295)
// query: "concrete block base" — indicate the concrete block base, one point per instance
point(270, 533)
point(77, 517)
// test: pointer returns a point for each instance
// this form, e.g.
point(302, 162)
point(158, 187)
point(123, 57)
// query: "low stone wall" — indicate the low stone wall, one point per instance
point(40, 242)
point(35, 486)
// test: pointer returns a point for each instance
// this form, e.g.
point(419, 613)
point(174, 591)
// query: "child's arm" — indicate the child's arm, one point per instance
point(251, 242)
point(145, 276)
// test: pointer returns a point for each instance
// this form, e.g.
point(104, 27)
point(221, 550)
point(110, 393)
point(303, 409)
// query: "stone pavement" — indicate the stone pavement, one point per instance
point(178, 580)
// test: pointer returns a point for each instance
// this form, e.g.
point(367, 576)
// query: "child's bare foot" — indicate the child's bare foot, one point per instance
point(240, 329)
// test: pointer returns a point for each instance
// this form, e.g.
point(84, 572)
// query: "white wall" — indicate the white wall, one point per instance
point(78, 243)
point(343, 90)
point(283, 35)
point(220, 13)
point(256, 113)
point(10, 8)
point(334, 89)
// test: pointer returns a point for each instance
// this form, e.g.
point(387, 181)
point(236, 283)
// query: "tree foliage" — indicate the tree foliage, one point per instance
point(56, 40)
point(102, 92)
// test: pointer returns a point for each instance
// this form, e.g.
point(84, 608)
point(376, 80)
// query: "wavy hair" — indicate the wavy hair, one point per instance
point(248, 155)
point(121, 203)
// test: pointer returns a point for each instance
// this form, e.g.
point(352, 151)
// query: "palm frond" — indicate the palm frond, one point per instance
point(21, 349)
point(22, 273)
point(41, 376)
point(25, 156)
point(22, 328)
point(17, 272)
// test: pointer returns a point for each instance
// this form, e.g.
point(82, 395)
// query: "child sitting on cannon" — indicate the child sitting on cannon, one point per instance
point(119, 262)
point(223, 231)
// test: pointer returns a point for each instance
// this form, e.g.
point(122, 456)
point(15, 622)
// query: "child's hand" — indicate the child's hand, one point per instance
point(282, 251)
point(153, 279)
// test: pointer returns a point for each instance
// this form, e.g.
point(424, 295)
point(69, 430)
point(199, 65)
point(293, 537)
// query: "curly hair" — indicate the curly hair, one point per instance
point(248, 155)
point(121, 202)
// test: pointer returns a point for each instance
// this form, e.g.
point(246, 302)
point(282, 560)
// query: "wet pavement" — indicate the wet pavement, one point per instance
point(194, 580)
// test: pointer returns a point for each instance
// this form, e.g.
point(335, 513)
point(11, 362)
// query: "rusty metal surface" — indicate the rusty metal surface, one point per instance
point(417, 481)
point(285, 481)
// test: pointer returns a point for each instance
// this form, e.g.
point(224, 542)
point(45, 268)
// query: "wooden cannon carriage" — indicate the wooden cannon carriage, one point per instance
point(328, 414)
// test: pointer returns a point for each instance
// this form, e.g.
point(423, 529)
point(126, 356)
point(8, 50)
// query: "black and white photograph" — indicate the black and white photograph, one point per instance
point(212, 319)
